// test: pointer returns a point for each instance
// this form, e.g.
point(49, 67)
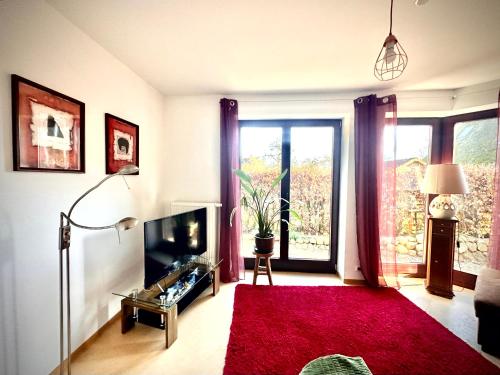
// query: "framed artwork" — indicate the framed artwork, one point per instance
point(122, 143)
point(48, 129)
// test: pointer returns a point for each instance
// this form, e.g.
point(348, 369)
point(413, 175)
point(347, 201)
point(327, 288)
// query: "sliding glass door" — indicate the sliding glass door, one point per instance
point(310, 151)
point(471, 140)
point(311, 186)
point(260, 157)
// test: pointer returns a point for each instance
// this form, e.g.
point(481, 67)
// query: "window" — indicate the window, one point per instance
point(260, 157)
point(310, 150)
point(469, 140)
point(413, 147)
point(474, 147)
point(416, 141)
point(311, 168)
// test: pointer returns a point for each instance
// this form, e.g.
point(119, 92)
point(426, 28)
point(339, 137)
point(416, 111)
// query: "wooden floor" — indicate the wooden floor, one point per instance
point(203, 331)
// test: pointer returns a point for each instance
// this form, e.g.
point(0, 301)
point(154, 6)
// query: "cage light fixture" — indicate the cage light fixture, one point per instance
point(392, 59)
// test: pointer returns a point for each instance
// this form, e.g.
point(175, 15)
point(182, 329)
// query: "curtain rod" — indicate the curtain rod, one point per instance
point(324, 100)
point(352, 99)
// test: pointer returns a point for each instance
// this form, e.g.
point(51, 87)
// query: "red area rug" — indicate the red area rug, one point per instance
point(279, 329)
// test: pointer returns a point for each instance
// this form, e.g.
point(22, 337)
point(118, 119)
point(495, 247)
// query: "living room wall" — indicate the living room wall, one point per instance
point(36, 42)
point(192, 124)
point(179, 159)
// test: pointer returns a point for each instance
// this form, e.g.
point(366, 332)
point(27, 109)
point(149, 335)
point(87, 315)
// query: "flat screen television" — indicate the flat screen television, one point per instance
point(172, 241)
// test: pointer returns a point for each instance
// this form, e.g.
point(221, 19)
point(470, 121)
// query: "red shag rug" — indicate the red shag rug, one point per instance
point(279, 329)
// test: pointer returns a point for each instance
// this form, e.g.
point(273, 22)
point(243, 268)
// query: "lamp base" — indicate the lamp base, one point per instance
point(443, 207)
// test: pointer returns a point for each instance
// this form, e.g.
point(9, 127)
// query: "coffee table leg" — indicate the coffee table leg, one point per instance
point(170, 326)
point(215, 281)
point(127, 319)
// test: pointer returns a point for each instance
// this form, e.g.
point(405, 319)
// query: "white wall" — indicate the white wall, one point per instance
point(193, 147)
point(36, 42)
point(477, 97)
point(193, 144)
point(321, 106)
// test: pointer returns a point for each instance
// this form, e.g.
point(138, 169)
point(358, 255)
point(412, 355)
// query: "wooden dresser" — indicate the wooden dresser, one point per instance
point(440, 240)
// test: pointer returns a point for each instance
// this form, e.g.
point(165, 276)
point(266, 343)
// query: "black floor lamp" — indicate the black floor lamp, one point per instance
point(64, 243)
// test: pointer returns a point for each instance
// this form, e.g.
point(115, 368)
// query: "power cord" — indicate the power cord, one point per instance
point(458, 247)
point(458, 254)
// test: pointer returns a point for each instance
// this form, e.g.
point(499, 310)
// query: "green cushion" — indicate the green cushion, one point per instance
point(337, 364)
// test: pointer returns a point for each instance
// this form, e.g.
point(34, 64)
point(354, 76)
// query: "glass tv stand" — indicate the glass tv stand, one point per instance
point(160, 304)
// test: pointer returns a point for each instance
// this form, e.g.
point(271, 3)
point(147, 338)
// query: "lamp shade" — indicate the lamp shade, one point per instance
point(128, 169)
point(444, 179)
point(126, 223)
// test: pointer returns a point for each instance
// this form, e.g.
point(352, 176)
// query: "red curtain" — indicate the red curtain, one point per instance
point(494, 248)
point(375, 159)
point(232, 267)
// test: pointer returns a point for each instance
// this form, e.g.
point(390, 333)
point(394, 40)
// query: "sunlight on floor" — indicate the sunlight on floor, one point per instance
point(203, 331)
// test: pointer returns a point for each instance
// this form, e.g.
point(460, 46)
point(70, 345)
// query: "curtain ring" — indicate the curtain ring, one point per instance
point(359, 100)
point(231, 103)
point(385, 99)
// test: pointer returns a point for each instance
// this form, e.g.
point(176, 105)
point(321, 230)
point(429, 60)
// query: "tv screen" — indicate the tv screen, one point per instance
point(172, 241)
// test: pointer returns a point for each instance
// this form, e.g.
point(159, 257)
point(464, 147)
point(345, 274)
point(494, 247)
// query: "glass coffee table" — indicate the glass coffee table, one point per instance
point(160, 304)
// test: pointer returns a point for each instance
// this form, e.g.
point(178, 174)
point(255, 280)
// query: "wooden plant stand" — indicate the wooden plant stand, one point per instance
point(262, 270)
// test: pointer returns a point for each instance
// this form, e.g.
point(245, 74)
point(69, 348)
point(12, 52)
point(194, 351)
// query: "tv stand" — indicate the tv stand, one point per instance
point(180, 288)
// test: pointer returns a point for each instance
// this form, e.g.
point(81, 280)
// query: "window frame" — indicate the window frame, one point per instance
point(284, 263)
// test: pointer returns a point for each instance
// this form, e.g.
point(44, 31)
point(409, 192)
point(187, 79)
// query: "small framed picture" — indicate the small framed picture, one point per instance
point(122, 143)
point(48, 129)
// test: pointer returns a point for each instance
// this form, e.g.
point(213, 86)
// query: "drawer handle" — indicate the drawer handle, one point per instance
point(442, 230)
point(435, 261)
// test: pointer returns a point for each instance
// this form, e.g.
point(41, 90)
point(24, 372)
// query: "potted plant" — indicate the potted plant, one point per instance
point(264, 208)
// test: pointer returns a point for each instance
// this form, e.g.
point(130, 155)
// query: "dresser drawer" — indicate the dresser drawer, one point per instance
point(442, 223)
point(442, 230)
point(442, 226)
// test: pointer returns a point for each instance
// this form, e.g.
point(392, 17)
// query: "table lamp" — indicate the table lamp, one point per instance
point(64, 244)
point(444, 179)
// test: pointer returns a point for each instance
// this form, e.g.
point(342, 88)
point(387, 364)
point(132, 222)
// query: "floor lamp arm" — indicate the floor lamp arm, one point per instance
point(88, 192)
point(70, 221)
point(127, 169)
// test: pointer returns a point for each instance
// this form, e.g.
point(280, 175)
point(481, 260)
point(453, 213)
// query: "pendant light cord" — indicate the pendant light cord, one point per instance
point(390, 27)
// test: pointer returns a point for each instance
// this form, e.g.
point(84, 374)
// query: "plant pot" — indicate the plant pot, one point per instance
point(264, 245)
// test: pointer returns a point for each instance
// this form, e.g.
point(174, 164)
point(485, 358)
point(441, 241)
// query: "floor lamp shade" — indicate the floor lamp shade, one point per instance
point(127, 223)
point(444, 179)
point(128, 169)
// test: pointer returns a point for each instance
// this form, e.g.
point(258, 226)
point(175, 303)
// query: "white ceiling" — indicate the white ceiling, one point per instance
point(260, 46)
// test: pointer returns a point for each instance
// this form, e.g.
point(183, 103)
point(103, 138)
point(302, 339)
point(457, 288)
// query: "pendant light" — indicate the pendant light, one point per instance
point(392, 59)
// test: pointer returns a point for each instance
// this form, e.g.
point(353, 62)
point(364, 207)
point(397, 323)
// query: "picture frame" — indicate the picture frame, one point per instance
point(121, 143)
point(48, 129)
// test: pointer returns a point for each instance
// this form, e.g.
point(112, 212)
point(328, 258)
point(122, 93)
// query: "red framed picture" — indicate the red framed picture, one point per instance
point(48, 129)
point(122, 143)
